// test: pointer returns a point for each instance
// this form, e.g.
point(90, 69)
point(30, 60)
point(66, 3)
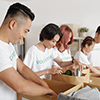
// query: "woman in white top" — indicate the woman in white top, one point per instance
point(40, 57)
point(86, 46)
point(62, 48)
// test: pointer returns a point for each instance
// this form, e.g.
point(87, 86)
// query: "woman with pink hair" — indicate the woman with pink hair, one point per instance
point(62, 48)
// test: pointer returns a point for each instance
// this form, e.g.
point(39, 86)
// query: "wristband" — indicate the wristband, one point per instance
point(72, 60)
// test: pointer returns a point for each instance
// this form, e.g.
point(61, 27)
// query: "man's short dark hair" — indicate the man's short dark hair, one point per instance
point(98, 30)
point(18, 8)
point(49, 31)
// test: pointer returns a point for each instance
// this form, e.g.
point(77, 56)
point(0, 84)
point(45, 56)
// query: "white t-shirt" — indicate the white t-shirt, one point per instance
point(81, 57)
point(8, 58)
point(38, 60)
point(64, 56)
point(94, 55)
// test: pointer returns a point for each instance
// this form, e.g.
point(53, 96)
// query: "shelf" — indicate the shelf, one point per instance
point(76, 45)
point(79, 38)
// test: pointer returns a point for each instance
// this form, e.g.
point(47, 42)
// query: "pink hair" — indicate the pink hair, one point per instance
point(65, 30)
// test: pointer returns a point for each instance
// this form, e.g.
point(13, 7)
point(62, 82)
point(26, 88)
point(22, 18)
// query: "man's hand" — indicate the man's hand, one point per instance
point(53, 93)
point(44, 84)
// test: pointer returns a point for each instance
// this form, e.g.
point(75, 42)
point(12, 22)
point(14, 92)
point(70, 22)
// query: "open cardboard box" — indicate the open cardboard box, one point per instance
point(94, 78)
point(73, 79)
point(54, 85)
point(81, 85)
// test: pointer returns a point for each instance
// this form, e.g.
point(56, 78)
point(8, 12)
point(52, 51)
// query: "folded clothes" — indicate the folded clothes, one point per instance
point(86, 93)
point(62, 96)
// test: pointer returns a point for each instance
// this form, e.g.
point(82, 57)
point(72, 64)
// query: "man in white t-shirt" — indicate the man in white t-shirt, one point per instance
point(15, 76)
point(94, 55)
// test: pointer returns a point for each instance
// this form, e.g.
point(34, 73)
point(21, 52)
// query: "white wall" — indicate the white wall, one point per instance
point(3, 6)
point(83, 12)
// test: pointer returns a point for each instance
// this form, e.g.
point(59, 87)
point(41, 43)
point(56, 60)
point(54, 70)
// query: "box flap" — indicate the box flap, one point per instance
point(57, 86)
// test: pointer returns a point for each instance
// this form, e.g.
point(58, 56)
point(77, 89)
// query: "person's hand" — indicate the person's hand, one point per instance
point(44, 84)
point(53, 93)
point(71, 67)
point(87, 66)
point(78, 64)
point(55, 71)
point(54, 66)
point(68, 68)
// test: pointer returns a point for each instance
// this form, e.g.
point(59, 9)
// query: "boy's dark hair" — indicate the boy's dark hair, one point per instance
point(88, 40)
point(98, 30)
point(18, 8)
point(49, 31)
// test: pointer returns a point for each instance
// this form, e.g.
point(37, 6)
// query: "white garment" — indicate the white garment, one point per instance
point(81, 57)
point(94, 55)
point(8, 58)
point(85, 93)
point(64, 56)
point(38, 60)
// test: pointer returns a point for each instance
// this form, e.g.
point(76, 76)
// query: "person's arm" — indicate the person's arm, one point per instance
point(27, 73)
point(13, 79)
point(94, 70)
point(49, 71)
point(97, 67)
point(54, 66)
point(64, 64)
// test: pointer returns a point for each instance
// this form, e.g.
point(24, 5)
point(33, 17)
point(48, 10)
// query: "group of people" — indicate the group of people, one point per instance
point(89, 52)
point(41, 60)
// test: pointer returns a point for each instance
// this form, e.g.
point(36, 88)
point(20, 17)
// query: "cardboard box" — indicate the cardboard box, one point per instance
point(73, 79)
point(81, 85)
point(95, 78)
point(86, 71)
point(54, 85)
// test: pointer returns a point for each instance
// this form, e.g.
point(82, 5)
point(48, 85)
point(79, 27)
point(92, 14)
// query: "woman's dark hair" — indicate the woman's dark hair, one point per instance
point(98, 30)
point(49, 31)
point(18, 9)
point(88, 40)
